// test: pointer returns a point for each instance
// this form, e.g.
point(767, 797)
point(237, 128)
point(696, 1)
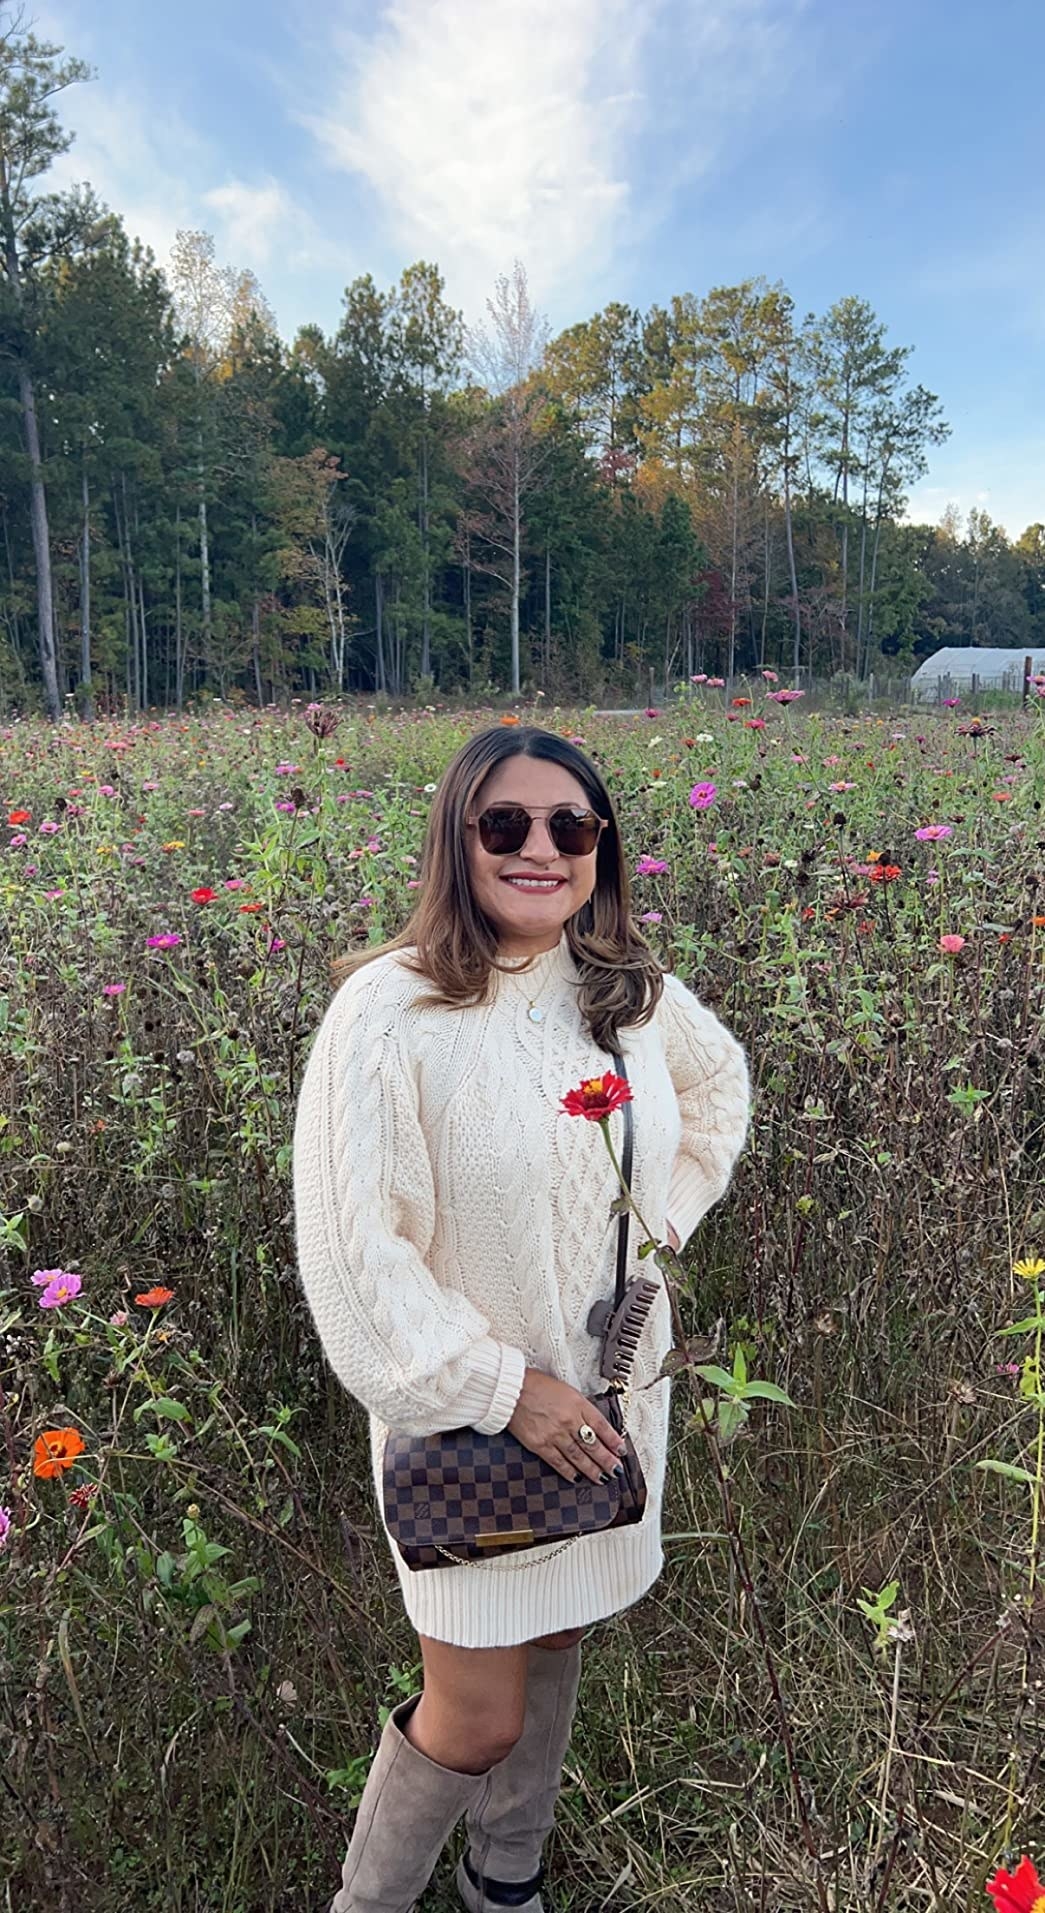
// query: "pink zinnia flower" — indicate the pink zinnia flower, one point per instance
point(60, 1286)
point(165, 942)
point(950, 945)
point(650, 867)
point(930, 832)
point(701, 678)
point(702, 796)
point(113, 989)
point(784, 697)
point(771, 677)
point(119, 1318)
point(5, 1526)
point(651, 916)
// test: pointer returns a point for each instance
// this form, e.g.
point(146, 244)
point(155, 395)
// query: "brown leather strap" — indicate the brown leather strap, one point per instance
point(627, 1159)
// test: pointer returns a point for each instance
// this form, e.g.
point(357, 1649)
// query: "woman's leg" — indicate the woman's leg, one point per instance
point(432, 1765)
point(510, 1823)
point(473, 1707)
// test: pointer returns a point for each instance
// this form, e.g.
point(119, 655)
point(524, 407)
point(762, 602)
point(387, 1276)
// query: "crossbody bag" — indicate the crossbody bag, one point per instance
point(464, 1498)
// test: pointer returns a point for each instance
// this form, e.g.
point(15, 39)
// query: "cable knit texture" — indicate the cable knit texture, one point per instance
point(454, 1226)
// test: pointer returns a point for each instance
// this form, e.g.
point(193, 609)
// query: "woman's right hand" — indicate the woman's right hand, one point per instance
point(547, 1416)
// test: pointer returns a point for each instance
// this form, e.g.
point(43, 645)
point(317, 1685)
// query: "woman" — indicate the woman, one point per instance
point(454, 1229)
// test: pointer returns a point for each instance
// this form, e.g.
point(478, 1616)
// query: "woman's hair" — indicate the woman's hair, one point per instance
point(455, 944)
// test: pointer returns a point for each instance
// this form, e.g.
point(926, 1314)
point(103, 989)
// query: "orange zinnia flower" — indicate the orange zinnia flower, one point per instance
point(55, 1450)
point(155, 1298)
point(1038, 922)
point(508, 718)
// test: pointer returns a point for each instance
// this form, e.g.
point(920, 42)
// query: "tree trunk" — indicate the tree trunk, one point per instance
point(426, 616)
point(547, 613)
point(379, 610)
point(179, 637)
point(85, 598)
point(516, 540)
point(41, 546)
point(255, 648)
point(201, 480)
point(468, 610)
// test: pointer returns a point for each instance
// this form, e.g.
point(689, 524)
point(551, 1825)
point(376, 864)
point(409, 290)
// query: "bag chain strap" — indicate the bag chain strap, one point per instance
point(623, 1394)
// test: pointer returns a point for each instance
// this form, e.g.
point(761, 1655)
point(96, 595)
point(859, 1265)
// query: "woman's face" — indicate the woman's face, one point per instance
point(529, 894)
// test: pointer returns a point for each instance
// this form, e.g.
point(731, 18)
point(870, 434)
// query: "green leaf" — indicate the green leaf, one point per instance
point(740, 1364)
point(168, 1409)
point(1024, 1328)
point(1006, 1468)
point(718, 1377)
point(767, 1392)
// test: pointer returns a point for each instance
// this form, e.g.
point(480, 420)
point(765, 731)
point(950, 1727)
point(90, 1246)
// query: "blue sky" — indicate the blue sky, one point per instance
point(622, 149)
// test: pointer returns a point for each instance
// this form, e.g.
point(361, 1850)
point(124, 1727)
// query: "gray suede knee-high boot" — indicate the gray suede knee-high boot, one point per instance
point(508, 1826)
point(409, 1808)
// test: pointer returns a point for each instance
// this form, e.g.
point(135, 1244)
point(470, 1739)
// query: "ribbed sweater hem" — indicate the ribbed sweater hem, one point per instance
point(500, 1604)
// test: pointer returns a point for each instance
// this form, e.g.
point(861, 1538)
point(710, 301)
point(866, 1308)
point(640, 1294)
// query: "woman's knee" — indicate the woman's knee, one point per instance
point(568, 1637)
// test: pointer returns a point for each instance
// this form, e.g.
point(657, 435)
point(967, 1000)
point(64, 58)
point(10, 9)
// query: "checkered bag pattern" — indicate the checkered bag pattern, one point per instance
point(453, 1488)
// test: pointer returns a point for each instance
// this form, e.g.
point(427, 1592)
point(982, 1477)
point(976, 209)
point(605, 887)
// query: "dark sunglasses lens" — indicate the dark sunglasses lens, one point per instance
point(504, 829)
point(575, 836)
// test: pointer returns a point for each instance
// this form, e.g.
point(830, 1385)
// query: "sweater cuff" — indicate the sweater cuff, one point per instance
point(488, 1403)
point(689, 1198)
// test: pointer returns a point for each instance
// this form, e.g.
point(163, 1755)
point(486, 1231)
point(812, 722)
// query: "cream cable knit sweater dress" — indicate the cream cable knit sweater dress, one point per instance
point(454, 1226)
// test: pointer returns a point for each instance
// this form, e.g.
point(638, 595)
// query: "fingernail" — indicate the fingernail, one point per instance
point(605, 1478)
point(619, 1469)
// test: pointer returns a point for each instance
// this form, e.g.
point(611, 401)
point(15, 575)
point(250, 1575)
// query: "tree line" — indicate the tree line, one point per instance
point(190, 504)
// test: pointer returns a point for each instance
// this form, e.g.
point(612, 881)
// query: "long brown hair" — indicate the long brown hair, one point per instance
point(454, 942)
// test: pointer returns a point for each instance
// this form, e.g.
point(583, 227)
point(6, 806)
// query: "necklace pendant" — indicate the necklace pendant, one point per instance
point(535, 1015)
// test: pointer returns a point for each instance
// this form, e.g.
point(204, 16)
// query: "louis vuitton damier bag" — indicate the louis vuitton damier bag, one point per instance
point(463, 1497)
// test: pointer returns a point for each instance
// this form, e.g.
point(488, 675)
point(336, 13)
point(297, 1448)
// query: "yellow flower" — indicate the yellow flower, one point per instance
point(104, 850)
point(1030, 1268)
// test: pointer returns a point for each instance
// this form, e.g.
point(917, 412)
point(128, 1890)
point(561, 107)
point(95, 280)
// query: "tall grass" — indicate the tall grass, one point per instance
point(192, 1663)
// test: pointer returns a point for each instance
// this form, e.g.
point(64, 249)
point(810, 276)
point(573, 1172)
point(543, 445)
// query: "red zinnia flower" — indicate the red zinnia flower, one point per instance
point(885, 873)
point(597, 1098)
point(81, 1497)
point(19, 816)
point(155, 1298)
point(204, 894)
point(1019, 1892)
point(55, 1450)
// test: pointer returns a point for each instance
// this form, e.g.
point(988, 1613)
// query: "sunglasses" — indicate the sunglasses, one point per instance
point(504, 828)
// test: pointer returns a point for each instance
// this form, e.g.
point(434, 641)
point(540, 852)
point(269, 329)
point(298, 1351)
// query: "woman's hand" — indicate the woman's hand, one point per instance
point(547, 1416)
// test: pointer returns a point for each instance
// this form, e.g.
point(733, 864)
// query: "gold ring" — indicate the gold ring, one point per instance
point(587, 1435)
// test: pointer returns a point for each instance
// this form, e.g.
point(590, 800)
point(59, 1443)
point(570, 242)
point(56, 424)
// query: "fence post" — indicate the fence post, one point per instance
point(1027, 668)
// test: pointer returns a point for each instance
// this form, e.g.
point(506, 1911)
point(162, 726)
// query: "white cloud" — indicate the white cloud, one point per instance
point(154, 169)
point(486, 132)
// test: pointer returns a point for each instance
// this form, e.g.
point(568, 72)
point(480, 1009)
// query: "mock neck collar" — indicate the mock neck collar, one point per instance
point(538, 971)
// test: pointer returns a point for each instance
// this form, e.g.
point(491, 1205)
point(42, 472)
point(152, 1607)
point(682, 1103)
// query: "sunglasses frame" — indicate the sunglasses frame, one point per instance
point(550, 811)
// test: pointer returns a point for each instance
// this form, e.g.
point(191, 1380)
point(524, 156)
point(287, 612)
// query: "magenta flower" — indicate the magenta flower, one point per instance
point(784, 697)
point(950, 945)
point(651, 711)
point(651, 867)
point(950, 702)
point(5, 1526)
point(165, 942)
point(702, 796)
point(930, 832)
point(113, 989)
point(59, 1285)
point(651, 916)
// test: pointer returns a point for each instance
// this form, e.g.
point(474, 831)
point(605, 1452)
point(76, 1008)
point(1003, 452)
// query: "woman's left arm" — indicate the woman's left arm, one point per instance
point(709, 1071)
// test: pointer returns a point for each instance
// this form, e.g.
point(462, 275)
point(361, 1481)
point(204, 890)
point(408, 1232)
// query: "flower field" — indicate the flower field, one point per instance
point(832, 1698)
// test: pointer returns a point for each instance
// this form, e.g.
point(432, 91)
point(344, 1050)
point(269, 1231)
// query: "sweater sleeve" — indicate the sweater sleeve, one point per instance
point(709, 1070)
point(418, 1356)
